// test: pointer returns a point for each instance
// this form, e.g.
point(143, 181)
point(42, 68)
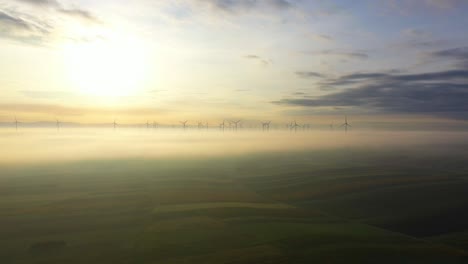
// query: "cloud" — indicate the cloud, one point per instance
point(444, 4)
point(414, 32)
point(309, 74)
point(234, 6)
point(407, 7)
point(13, 22)
point(37, 25)
point(322, 37)
point(14, 27)
point(49, 3)
point(442, 92)
point(55, 109)
point(399, 97)
point(459, 55)
point(263, 61)
point(299, 93)
point(338, 53)
point(79, 13)
point(73, 12)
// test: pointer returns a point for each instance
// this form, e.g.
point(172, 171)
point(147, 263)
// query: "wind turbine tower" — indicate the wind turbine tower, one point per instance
point(346, 124)
point(16, 123)
point(236, 124)
point(295, 125)
point(266, 126)
point(222, 125)
point(184, 124)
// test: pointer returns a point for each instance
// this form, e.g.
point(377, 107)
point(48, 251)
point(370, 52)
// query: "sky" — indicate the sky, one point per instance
point(85, 61)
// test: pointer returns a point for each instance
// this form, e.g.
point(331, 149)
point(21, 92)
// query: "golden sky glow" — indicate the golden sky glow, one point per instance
point(315, 61)
point(107, 68)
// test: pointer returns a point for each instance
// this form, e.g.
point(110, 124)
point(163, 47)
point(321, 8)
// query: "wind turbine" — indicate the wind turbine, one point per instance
point(222, 125)
point(115, 124)
point(16, 123)
point(346, 124)
point(58, 124)
point(266, 126)
point(184, 124)
point(155, 125)
point(147, 124)
point(236, 124)
point(295, 125)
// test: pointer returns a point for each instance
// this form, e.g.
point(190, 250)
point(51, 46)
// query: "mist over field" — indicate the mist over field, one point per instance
point(97, 195)
point(233, 132)
point(46, 145)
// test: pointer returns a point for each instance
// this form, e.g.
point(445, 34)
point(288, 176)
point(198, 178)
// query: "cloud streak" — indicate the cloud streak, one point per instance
point(339, 53)
point(55, 109)
point(309, 74)
point(234, 6)
point(37, 28)
point(12, 26)
point(439, 93)
point(263, 61)
point(459, 55)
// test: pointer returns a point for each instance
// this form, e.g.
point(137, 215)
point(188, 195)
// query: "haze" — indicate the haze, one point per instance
point(233, 131)
point(46, 145)
point(314, 61)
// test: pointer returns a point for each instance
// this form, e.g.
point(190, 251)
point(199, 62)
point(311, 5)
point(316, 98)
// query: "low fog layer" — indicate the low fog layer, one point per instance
point(44, 145)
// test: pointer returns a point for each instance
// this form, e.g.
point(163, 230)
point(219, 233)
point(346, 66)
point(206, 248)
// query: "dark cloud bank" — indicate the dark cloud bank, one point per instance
point(437, 93)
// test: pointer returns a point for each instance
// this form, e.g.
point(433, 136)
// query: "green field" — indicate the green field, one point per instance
point(345, 205)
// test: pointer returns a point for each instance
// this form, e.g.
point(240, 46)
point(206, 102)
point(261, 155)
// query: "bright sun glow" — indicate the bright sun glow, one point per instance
point(112, 66)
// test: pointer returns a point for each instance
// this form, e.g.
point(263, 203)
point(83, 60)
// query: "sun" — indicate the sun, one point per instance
point(107, 67)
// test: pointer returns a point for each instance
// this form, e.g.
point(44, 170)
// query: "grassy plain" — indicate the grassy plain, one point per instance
point(346, 205)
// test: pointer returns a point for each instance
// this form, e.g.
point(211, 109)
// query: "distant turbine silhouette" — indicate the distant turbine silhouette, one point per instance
point(266, 126)
point(236, 124)
point(147, 124)
point(115, 124)
point(222, 125)
point(16, 123)
point(58, 124)
point(184, 124)
point(346, 124)
point(295, 125)
point(200, 125)
point(155, 125)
